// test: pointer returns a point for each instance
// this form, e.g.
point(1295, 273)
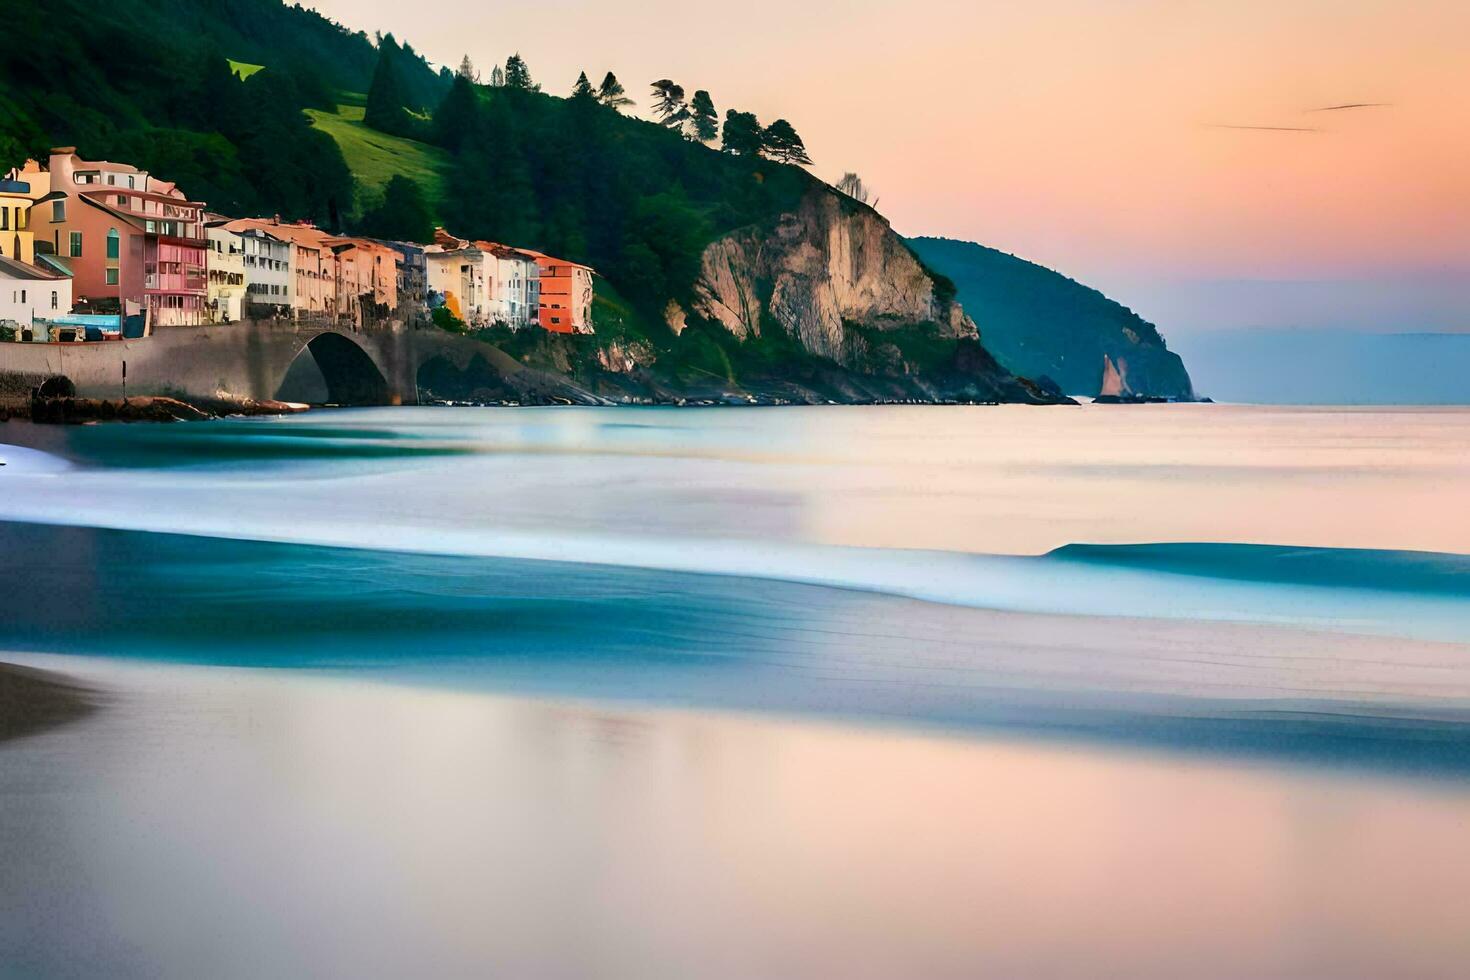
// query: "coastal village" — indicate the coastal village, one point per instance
point(93, 251)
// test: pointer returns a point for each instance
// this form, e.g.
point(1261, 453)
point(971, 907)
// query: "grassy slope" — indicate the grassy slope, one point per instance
point(375, 157)
point(243, 68)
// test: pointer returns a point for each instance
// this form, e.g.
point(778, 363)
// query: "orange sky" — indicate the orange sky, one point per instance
point(1079, 133)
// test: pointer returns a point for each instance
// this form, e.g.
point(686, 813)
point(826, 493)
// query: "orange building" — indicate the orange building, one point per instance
point(565, 304)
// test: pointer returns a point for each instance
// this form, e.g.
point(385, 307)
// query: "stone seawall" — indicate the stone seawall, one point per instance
point(373, 365)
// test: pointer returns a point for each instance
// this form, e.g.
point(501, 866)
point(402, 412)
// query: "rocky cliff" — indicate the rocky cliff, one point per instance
point(834, 279)
point(828, 265)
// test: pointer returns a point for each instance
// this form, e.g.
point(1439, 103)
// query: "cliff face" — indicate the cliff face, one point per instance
point(1042, 324)
point(832, 279)
point(830, 265)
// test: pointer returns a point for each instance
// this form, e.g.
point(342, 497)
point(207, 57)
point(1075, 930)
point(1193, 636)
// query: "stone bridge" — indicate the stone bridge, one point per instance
point(320, 362)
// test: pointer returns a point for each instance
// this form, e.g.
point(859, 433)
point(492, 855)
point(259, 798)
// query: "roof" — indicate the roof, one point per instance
point(506, 251)
point(83, 164)
point(14, 187)
point(406, 248)
point(304, 235)
point(12, 269)
point(54, 262)
point(543, 259)
point(139, 192)
point(445, 240)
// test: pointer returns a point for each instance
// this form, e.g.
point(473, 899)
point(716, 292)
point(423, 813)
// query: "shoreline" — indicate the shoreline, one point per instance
point(1401, 742)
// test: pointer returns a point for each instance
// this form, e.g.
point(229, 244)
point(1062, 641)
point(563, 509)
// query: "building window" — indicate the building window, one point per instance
point(150, 226)
point(76, 244)
point(5, 219)
point(112, 277)
point(58, 210)
point(112, 243)
point(55, 300)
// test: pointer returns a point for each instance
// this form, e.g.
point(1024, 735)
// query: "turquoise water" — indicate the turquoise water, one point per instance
point(884, 563)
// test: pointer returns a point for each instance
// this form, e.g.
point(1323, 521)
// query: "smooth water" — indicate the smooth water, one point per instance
point(1156, 690)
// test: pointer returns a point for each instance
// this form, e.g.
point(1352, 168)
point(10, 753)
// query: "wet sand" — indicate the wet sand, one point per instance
point(230, 822)
point(33, 700)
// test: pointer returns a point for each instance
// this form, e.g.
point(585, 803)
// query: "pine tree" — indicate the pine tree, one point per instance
point(704, 120)
point(668, 103)
point(456, 113)
point(497, 77)
point(611, 94)
point(782, 143)
point(517, 75)
point(402, 215)
point(583, 88)
point(467, 70)
point(742, 134)
point(385, 106)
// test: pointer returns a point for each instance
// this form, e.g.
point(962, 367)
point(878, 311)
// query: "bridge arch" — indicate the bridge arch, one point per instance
point(333, 369)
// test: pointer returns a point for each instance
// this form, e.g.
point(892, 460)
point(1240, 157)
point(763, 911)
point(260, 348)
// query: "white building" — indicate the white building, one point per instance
point(28, 294)
point(456, 276)
point(268, 274)
point(225, 267)
point(483, 283)
point(511, 285)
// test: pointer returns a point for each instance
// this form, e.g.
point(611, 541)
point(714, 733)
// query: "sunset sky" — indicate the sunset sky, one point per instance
point(1094, 136)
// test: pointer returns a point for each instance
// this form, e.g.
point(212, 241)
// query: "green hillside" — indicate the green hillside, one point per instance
point(1040, 323)
point(374, 158)
point(242, 69)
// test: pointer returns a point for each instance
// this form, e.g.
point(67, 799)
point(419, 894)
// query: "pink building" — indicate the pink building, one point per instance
point(132, 240)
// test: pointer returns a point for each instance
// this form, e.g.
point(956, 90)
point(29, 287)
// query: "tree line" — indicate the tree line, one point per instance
point(390, 110)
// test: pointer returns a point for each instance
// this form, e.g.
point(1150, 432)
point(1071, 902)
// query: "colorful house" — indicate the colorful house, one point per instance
point(135, 242)
point(16, 239)
point(312, 264)
point(29, 295)
point(565, 304)
point(511, 281)
point(367, 278)
point(455, 273)
point(484, 283)
point(225, 301)
point(268, 277)
point(412, 272)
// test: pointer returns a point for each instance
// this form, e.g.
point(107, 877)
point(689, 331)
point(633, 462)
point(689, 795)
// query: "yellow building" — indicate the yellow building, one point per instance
point(16, 240)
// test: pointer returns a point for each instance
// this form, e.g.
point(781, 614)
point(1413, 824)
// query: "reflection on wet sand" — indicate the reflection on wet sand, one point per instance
point(280, 824)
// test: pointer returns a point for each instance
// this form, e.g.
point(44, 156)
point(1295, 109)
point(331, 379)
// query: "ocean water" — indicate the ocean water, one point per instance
point(1143, 690)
